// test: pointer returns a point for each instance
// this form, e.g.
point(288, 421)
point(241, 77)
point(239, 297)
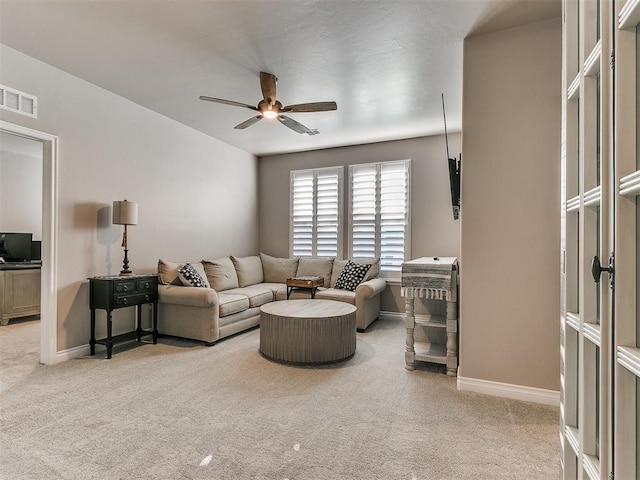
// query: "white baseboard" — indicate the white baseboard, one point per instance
point(507, 390)
point(391, 316)
point(70, 353)
point(496, 389)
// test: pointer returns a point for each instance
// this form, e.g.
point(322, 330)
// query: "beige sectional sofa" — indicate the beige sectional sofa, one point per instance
point(236, 287)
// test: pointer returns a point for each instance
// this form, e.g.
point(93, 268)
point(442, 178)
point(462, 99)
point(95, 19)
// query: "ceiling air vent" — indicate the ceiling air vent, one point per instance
point(18, 102)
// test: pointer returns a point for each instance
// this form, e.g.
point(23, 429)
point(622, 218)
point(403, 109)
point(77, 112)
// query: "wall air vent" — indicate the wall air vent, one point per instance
point(18, 102)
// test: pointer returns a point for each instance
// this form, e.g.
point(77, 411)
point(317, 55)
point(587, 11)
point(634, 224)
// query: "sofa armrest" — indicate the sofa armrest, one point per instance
point(188, 296)
point(372, 287)
point(368, 301)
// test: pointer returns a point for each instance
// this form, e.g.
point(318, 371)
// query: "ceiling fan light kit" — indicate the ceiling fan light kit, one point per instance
point(271, 108)
point(269, 114)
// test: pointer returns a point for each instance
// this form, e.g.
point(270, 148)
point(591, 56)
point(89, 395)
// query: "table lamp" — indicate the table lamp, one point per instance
point(125, 213)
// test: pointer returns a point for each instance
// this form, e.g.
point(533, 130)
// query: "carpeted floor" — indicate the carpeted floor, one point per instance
point(179, 410)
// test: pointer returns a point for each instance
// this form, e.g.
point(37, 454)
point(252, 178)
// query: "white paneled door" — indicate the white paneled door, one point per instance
point(600, 330)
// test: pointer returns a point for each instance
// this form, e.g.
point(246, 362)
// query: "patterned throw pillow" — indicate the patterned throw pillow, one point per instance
point(190, 277)
point(351, 276)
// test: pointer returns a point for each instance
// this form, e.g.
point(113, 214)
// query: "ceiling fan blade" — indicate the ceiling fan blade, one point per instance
point(248, 123)
point(311, 107)
point(227, 102)
point(296, 126)
point(268, 85)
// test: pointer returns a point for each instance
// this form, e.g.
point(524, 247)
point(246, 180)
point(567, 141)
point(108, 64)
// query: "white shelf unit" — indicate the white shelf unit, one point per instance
point(434, 279)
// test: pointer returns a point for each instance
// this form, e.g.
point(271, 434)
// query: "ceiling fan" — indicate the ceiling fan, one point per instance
point(269, 107)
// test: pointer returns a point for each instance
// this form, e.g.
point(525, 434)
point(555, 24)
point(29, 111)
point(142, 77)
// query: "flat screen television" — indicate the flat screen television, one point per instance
point(454, 183)
point(455, 166)
point(15, 247)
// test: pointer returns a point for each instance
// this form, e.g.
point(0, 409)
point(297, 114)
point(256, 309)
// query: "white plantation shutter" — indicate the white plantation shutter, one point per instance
point(379, 216)
point(316, 211)
point(328, 212)
point(302, 221)
point(363, 211)
point(394, 218)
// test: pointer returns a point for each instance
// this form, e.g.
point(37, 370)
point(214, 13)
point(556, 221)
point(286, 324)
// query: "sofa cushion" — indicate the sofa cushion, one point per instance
point(238, 322)
point(346, 296)
point(274, 287)
point(168, 272)
point(192, 275)
point(249, 270)
point(230, 303)
point(374, 271)
point(256, 294)
point(351, 276)
point(221, 273)
point(277, 270)
point(317, 267)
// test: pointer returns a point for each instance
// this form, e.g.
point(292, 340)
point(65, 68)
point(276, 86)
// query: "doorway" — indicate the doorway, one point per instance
point(48, 299)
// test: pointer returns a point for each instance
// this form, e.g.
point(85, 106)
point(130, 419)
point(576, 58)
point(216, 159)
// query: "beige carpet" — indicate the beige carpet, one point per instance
point(179, 410)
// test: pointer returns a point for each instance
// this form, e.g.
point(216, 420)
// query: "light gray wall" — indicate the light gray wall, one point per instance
point(510, 222)
point(197, 195)
point(434, 232)
point(20, 193)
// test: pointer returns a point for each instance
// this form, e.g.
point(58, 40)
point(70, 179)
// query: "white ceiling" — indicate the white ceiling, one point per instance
point(385, 63)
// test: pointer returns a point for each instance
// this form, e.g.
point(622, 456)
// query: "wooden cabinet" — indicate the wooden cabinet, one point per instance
point(20, 292)
point(435, 279)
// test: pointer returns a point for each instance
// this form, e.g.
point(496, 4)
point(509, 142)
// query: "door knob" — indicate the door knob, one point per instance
point(597, 269)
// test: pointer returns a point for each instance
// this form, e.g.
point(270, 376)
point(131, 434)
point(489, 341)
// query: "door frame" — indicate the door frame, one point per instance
point(49, 272)
point(626, 354)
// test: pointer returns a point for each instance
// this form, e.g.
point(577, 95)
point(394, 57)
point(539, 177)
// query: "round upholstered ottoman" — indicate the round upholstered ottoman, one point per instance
point(308, 331)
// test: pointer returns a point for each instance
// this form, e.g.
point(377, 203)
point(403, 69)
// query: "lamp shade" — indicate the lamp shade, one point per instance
point(125, 213)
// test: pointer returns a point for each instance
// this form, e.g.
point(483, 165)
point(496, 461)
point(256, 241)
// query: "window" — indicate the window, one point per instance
point(380, 212)
point(316, 213)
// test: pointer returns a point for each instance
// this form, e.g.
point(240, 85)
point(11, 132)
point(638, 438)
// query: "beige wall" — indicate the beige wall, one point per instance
point(196, 195)
point(510, 222)
point(434, 232)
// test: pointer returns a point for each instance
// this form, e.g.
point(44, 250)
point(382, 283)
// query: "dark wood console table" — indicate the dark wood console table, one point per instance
point(113, 292)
